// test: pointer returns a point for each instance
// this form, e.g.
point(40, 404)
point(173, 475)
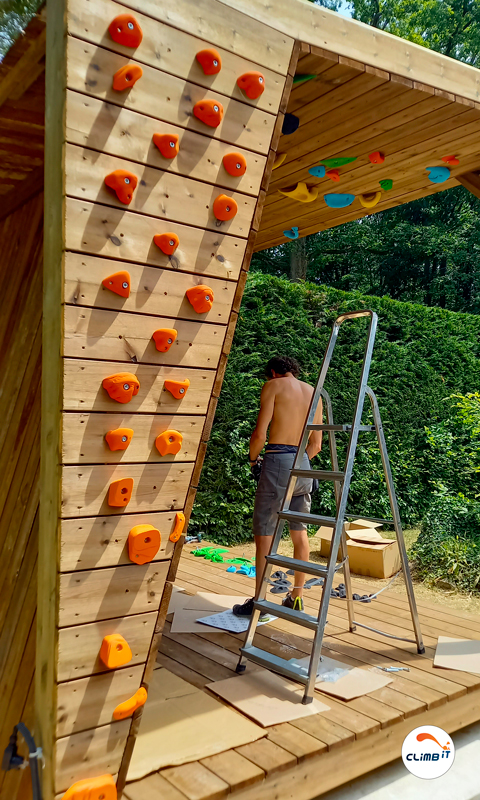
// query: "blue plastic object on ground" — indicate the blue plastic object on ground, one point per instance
point(231, 569)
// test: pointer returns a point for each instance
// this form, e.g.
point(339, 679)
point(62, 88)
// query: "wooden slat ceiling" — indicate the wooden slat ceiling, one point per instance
point(22, 109)
point(351, 109)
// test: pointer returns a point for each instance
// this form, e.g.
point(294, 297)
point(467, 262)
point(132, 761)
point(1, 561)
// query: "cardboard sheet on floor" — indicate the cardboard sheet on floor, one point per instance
point(460, 654)
point(265, 697)
point(178, 599)
point(351, 681)
point(185, 621)
point(368, 535)
point(207, 601)
point(181, 724)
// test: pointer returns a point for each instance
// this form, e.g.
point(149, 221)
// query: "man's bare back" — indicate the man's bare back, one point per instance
point(291, 399)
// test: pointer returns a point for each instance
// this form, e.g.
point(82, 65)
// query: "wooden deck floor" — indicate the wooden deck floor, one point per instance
point(311, 756)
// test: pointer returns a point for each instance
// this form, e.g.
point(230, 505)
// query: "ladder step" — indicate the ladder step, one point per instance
point(300, 566)
point(308, 519)
point(269, 661)
point(319, 474)
point(339, 428)
point(298, 617)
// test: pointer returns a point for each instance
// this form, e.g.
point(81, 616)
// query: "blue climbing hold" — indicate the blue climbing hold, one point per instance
point(438, 174)
point(292, 233)
point(339, 200)
point(318, 172)
point(290, 124)
point(231, 569)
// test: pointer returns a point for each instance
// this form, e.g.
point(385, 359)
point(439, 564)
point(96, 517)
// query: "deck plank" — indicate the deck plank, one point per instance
point(327, 731)
point(234, 769)
point(267, 755)
point(154, 787)
point(196, 781)
point(297, 742)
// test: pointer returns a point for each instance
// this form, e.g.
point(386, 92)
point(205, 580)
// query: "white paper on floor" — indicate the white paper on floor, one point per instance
point(227, 621)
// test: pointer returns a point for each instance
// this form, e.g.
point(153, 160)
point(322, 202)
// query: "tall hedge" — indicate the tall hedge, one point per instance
point(422, 355)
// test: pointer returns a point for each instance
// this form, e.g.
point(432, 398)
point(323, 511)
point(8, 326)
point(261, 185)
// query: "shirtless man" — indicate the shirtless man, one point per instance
point(284, 404)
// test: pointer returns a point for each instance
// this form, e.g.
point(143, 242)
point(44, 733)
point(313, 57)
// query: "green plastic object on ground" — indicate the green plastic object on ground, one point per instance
point(386, 184)
point(332, 163)
point(210, 553)
point(302, 78)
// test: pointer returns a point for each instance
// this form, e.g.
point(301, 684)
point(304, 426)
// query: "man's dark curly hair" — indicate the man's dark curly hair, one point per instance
point(281, 365)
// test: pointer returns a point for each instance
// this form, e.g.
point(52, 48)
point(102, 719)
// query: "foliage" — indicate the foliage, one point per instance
point(448, 547)
point(14, 17)
point(422, 355)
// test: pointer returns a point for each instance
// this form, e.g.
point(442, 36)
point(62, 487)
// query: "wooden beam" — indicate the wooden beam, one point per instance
point(471, 181)
point(25, 70)
point(22, 193)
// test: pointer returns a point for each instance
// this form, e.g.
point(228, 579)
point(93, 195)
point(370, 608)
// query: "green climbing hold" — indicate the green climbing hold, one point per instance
point(303, 78)
point(386, 184)
point(332, 163)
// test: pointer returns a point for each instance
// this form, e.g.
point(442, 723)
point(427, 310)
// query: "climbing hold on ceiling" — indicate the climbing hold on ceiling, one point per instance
point(177, 388)
point(125, 30)
point(122, 386)
point(377, 157)
point(252, 84)
point(127, 708)
point(169, 443)
point(123, 184)
point(224, 207)
point(92, 788)
point(386, 184)
point(303, 78)
point(452, 160)
point(318, 172)
point(210, 112)
point(200, 297)
point(279, 160)
point(143, 543)
point(120, 492)
point(119, 283)
point(167, 143)
point(209, 60)
point(292, 233)
point(290, 124)
point(126, 77)
point(333, 163)
point(302, 193)
point(115, 651)
point(167, 242)
point(438, 174)
point(164, 338)
point(339, 200)
point(370, 199)
point(333, 175)
point(179, 523)
point(235, 164)
point(119, 438)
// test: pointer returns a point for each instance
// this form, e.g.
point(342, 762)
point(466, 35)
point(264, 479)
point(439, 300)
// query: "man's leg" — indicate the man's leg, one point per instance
point(262, 545)
point(301, 551)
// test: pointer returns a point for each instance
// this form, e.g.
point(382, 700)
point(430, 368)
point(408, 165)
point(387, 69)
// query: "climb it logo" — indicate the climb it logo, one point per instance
point(428, 752)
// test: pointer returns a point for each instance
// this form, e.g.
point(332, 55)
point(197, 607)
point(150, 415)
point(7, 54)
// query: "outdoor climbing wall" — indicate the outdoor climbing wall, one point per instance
point(157, 164)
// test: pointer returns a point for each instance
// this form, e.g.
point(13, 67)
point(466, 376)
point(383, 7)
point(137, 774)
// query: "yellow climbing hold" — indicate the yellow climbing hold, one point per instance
point(279, 160)
point(302, 193)
point(370, 199)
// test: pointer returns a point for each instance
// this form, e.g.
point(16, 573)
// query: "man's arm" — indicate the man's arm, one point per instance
point(315, 439)
point(259, 435)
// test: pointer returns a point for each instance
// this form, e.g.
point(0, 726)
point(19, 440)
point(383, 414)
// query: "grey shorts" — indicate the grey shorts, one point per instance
point(271, 491)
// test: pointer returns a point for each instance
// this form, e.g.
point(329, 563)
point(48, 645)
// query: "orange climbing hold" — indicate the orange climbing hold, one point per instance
point(224, 207)
point(200, 297)
point(209, 112)
point(115, 651)
point(101, 788)
point(167, 242)
point(252, 83)
point(120, 492)
point(123, 184)
point(178, 529)
point(119, 438)
point(169, 443)
point(167, 143)
point(127, 708)
point(164, 338)
point(126, 77)
point(235, 164)
point(377, 157)
point(125, 30)
point(143, 543)
point(119, 283)
point(210, 61)
point(451, 160)
point(177, 388)
point(333, 175)
point(122, 386)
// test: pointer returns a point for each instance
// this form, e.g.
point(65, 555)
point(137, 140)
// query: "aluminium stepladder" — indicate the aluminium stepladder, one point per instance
point(341, 481)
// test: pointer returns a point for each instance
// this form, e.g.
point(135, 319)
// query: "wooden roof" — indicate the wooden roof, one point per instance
point(352, 109)
point(22, 111)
